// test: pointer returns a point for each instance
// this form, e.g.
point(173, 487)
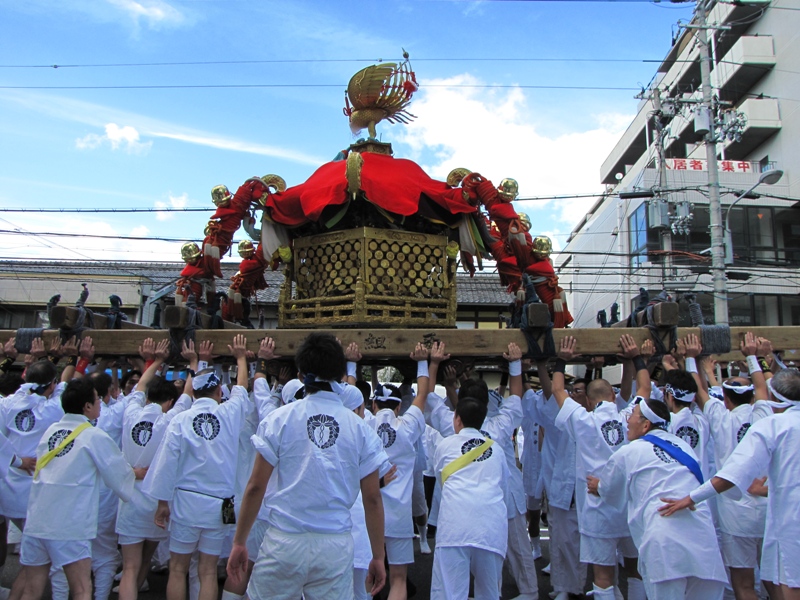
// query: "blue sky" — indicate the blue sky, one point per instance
point(124, 148)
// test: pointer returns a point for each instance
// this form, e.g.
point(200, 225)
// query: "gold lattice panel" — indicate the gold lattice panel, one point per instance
point(369, 276)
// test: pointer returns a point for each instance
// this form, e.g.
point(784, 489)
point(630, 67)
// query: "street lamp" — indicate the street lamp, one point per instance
point(769, 177)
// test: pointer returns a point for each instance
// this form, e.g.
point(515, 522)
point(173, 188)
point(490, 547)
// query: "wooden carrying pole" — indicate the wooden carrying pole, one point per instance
point(397, 343)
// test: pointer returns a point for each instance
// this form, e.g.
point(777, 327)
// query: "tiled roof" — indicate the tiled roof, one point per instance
point(482, 289)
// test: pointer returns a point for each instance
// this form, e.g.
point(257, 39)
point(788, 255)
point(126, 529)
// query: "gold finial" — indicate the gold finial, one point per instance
point(542, 246)
point(190, 253)
point(509, 189)
point(246, 249)
point(221, 195)
point(380, 92)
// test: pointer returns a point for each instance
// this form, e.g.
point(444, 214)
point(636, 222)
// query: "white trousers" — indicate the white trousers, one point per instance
point(567, 572)
point(360, 584)
point(105, 556)
point(452, 567)
point(519, 556)
point(685, 588)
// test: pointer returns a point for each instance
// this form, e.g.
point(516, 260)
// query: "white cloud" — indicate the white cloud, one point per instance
point(139, 231)
point(495, 133)
point(174, 202)
point(125, 138)
point(153, 12)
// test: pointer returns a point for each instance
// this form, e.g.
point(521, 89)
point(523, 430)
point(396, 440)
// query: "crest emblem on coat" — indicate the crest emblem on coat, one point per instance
point(56, 439)
point(474, 443)
point(485, 434)
point(613, 433)
point(688, 435)
point(206, 425)
point(663, 456)
point(322, 430)
point(142, 432)
point(742, 430)
point(387, 434)
point(25, 420)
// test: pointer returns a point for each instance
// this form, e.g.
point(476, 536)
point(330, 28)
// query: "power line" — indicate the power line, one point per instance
point(308, 85)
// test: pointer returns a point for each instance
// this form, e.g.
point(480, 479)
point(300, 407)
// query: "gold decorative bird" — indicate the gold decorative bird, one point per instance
point(380, 92)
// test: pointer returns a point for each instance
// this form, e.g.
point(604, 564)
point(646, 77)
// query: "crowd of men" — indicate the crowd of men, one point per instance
point(682, 482)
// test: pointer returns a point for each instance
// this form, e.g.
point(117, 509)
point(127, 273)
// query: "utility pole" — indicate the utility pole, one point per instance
point(667, 272)
point(714, 206)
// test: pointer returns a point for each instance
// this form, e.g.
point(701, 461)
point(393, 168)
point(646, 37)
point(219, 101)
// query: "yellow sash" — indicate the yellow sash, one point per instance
point(465, 459)
point(42, 462)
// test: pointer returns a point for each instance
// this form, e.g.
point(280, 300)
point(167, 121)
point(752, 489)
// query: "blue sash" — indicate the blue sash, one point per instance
point(676, 453)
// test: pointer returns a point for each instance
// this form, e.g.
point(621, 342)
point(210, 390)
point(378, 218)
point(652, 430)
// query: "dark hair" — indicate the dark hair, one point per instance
point(600, 389)
point(9, 383)
point(126, 378)
point(661, 410)
point(582, 380)
point(101, 381)
point(681, 380)
point(787, 383)
point(161, 391)
point(472, 412)
point(364, 388)
point(735, 397)
point(42, 372)
point(474, 388)
point(77, 394)
point(321, 354)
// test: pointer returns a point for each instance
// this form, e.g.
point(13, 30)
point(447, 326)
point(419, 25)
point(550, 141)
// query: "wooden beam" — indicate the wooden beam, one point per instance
point(67, 317)
point(178, 317)
point(397, 343)
point(665, 314)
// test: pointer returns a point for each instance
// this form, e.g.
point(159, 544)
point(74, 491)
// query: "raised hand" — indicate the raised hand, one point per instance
point(692, 346)
point(266, 349)
point(70, 347)
point(188, 352)
point(567, 348)
point(238, 349)
point(630, 349)
point(37, 349)
point(419, 353)
point(10, 348)
point(86, 350)
point(514, 353)
point(148, 349)
point(352, 353)
point(749, 345)
point(438, 354)
point(162, 350)
point(206, 351)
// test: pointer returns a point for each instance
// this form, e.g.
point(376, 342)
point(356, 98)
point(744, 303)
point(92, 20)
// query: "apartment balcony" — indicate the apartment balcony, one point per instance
point(747, 62)
point(763, 121)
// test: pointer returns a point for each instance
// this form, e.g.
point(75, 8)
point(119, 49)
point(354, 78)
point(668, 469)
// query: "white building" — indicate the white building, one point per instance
point(614, 250)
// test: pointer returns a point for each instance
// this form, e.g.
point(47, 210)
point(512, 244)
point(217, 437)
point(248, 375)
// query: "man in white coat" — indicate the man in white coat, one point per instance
point(679, 558)
point(772, 446)
point(193, 476)
point(72, 459)
point(399, 436)
point(319, 454)
point(741, 522)
point(144, 424)
point(599, 431)
point(471, 534)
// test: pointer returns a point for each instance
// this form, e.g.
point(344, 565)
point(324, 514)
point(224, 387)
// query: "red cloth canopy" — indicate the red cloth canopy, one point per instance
point(393, 184)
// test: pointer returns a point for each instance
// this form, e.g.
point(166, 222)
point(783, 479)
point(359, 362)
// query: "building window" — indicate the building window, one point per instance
point(637, 232)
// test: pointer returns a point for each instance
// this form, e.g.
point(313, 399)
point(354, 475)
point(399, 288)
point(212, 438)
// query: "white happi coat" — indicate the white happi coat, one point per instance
point(635, 479)
point(531, 456)
point(747, 516)
point(499, 428)
point(143, 428)
point(771, 446)
point(597, 434)
point(558, 457)
point(6, 455)
point(195, 465)
point(399, 436)
point(693, 429)
point(64, 498)
point(24, 417)
point(472, 511)
point(320, 451)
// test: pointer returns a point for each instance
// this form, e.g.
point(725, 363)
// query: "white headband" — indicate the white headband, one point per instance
point(205, 381)
point(679, 394)
point(648, 414)
point(784, 401)
point(739, 389)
